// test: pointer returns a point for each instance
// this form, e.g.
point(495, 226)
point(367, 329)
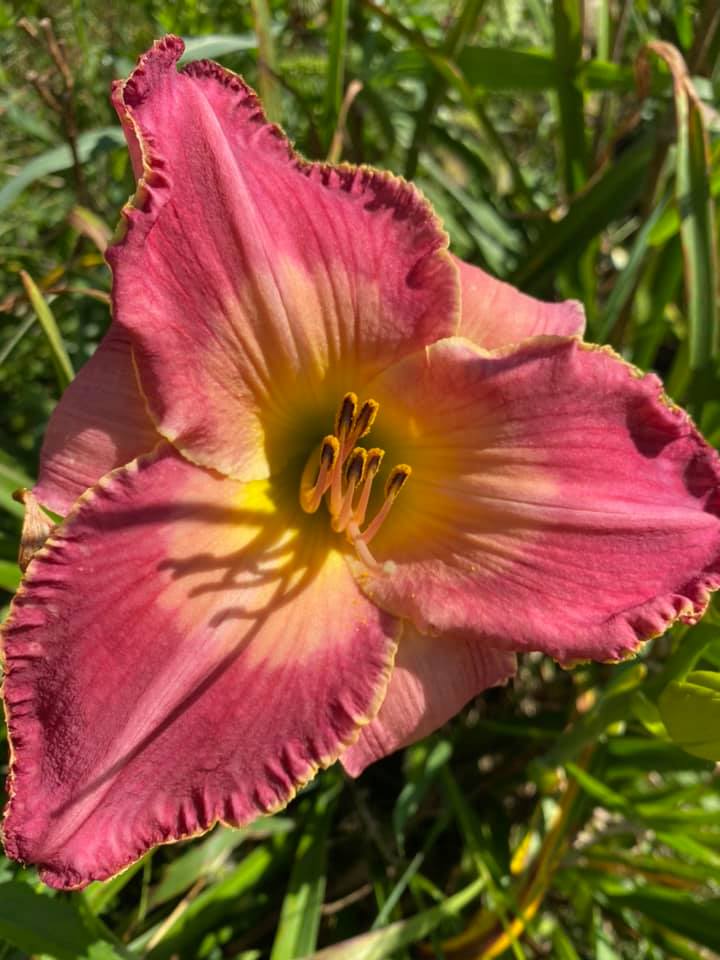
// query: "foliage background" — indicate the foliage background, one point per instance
point(557, 817)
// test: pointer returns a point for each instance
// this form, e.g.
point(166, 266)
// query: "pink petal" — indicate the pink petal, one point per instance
point(99, 424)
point(495, 314)
point(558, 501)
point(433, 679)
point(177, 655)
point(287, 283)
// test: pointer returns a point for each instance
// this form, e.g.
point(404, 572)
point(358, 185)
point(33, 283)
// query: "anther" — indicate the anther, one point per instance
point(393, 485)
point(397, 479)
point(354, 473)
point(345, 417)
point(312, 491)
point(329, 452)
point(365, 419)
point(341, 470)
point(355, 467)
point(372, 465)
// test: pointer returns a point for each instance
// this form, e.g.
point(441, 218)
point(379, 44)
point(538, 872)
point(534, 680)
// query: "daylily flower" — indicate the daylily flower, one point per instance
point(306, 451)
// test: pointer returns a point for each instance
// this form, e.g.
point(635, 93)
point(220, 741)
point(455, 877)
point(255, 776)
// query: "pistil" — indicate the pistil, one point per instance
point(345, 473)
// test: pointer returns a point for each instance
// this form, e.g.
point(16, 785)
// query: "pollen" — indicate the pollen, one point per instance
point(342, 473)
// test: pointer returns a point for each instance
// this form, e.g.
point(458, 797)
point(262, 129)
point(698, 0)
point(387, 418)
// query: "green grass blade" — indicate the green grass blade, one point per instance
point(567, 22)
point(609, 197)
point(39, 924)
point(596, 788)
point(563, 948)
point(380, 944)
point(626, 282)
point(656, 291)
point(12, 477)
point(15, 339)
point(297, 930)
point(603, 29)
point(457, 36)
point(61, 360)
point(99, 895)
point(200, 860)
point(679, 912)
point(58, 159)
point(217, 45)
point(9, 576)
point(430, 759)
point(698, 236)
point(493, 235)
point(495, 69)
point(337, 41)
point(203, 912)
point(267, 63)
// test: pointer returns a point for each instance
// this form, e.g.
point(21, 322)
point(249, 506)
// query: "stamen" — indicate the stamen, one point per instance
point(364, 420)
point(344, 423)
point(372, 465)
point(362, 549)
point(393, 485)
point(355, 467)
point(397, 480)
point(345, 417)
point(354, 473)
point(341, 469)
point(311, 494)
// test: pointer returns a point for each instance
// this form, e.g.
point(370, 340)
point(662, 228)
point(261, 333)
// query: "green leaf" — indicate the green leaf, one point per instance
point(267, 62)
point(209, 907)
point(435, 88)
point(299, 923)
point(199, 860)
point(492, 234)
point(498, 69)
point(690, 710)
point(432, 757)
point(563, 948)
point(216, 45)
point(690, 849)
point(697, 211)
point(379, 944)
point(99, 895)
point(567, 23)
point(624, 286)
point(337, 40)
point(669, 224)
point(610, 197)
point(61, 360)
point(89, 144)
point(36, 923)
point(680, 912)
point(12, 477)
point(698, 237)
point(9, 576)
point(596, 788)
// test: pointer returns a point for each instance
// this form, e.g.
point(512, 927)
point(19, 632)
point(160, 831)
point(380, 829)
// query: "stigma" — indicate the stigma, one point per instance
point(343, 473)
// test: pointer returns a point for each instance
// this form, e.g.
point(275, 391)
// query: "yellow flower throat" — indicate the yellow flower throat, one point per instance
point(343, 473)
